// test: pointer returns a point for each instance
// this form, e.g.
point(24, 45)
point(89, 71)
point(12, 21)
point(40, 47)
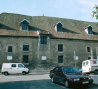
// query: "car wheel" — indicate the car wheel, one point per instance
point(52, 79)
point(96, 72)
point(66, 84)
point(24, 73)
point(5, 73)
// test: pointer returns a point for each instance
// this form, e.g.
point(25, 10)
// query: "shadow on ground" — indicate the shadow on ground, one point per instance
point(39, 84)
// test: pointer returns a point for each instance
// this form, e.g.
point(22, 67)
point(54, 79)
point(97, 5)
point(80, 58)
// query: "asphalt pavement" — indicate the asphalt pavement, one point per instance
point(95, 78)
point(46, 76)
point(33, 82)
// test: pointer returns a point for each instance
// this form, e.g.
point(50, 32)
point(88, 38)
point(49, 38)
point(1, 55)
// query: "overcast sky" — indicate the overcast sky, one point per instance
point(72, 9)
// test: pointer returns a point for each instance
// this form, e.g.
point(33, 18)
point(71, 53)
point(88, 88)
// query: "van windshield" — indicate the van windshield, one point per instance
point(20, 65)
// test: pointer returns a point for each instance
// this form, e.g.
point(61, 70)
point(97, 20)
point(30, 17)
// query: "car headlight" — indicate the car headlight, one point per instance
point(71, 79)
point(76, 79)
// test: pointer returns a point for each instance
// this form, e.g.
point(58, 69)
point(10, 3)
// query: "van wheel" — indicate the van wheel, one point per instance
point(24, 73)
point(96, 72)
point(5, 73)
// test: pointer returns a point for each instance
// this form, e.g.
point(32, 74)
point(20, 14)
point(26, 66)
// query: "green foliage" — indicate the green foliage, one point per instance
point(95, 12)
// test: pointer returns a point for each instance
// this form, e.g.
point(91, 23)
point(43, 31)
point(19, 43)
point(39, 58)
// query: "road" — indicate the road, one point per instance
point(95, 78)
point(32, 82)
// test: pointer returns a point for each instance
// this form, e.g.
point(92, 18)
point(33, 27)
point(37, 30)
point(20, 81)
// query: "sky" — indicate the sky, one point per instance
point(71, 9)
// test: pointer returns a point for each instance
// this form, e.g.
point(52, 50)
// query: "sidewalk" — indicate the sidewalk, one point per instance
point(39, 72)
point(36, 72)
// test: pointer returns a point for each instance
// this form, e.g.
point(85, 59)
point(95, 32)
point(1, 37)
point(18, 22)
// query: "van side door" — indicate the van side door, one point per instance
point(13, 69)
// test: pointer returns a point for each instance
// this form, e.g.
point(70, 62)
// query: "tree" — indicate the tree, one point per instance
point(95, 12)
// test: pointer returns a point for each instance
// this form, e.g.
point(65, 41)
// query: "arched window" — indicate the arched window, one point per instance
point(90, 30)
point(59, 27)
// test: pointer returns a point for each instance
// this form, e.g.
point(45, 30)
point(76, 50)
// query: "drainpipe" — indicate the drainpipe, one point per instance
point(91, 54)
point(97, 52)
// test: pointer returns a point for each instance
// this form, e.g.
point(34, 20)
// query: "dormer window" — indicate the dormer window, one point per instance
point(24, 25)
point(89, 30)
point(59, 27)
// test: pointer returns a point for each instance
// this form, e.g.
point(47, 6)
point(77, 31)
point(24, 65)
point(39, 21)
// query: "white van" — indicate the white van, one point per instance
point(14, 68)
point(90, 66)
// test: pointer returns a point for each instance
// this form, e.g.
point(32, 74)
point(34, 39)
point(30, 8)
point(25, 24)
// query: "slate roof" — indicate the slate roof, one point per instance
point(72, 29)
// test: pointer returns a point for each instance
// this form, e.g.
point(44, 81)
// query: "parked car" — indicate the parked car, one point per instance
point(14, 68)
point(69, 76)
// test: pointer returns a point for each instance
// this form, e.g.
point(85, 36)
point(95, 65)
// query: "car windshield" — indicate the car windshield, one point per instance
point(70, 70)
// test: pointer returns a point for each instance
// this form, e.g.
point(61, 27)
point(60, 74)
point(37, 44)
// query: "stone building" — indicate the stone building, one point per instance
point(41, 41)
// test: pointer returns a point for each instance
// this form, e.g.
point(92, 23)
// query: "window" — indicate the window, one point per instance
point(60, 48)
point(56, 69)
point(60, 70)
point(20, 66)
point(9, 48)
point(87, 63)
point(89, 58)
point(59, 27)
point(25, 47)
point(43, 39)
point(13, 65)
point(24, 26)
point(25, 58)
point(88, 49)
point(83, 64)
point(90, 30)
point(60, 59)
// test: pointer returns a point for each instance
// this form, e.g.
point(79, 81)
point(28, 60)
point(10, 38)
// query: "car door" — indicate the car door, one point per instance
point(61, 76)
point(55, 74)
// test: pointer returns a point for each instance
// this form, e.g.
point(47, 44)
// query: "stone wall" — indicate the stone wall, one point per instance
point(50, 50)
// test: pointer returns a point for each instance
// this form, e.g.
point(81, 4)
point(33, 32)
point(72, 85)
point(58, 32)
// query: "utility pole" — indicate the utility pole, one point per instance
point(75, 58)
point(97, 52)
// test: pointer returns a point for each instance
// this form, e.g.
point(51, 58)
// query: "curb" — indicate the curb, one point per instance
point(32, 74)
point(36, 74)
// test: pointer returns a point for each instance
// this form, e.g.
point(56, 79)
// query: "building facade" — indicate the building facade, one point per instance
point(40, 41)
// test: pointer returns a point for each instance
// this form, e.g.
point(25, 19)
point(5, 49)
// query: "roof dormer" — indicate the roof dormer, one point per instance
point(88, 30)
point(24, 25)
point(58, 27)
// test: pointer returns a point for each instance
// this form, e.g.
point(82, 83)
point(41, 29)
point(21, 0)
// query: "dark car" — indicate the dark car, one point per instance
point(69, 76)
